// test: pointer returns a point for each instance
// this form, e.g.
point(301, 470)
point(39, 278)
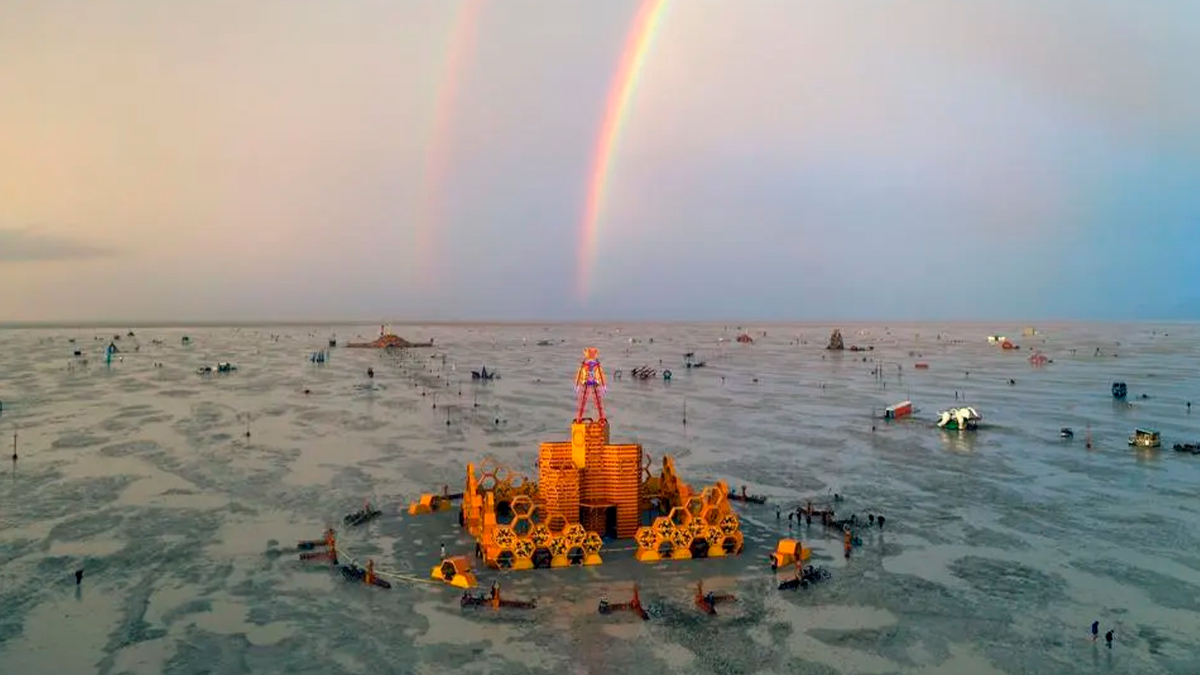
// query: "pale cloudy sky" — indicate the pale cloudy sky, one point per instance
point(275, 159)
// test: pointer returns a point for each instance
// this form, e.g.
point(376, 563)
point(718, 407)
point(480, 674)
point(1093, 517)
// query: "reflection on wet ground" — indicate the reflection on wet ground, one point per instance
point(1000, 547)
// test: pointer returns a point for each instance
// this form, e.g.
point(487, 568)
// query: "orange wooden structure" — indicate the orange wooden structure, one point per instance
point(788, 552)
point(455, 571)
point(590, 481)
point(587, 487)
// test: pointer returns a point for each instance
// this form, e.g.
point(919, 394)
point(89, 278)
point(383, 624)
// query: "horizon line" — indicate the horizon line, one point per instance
point(745, 322)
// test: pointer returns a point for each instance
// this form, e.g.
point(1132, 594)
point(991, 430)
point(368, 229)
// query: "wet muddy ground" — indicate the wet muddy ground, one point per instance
point(1000, 548)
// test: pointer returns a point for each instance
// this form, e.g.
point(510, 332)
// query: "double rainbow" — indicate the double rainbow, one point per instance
point(638, 43)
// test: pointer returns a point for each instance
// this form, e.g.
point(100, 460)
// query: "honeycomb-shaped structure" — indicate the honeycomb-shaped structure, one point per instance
point(681, 538)
point(592, 543)
point(704, 526)
point(647, 463)
point(680, 516)
point(710, 516)
point(455, 571)
point(537, 514)
point(486, 465)
point(729, 524)
point(522, 526)
point(556, 524)
point(646, 538)
point(503, 475)
point(492, 476)
point(523, 548)
point(521, 505)
point(540, 535)
point(505, 516)
point(526, 543)
point(504, 537)
point(575, 534)
point(526, 546)
point(663, 527)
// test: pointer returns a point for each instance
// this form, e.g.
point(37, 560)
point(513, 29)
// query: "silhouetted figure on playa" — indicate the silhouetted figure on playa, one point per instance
point(1108, 638)
point(78, 577)
point(1095, 630)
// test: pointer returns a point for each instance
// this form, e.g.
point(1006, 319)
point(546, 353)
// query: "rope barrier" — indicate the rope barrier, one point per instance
point(385, 573)
point(343, 556)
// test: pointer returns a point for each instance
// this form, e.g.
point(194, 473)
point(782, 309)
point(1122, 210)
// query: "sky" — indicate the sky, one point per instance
point(484, 159)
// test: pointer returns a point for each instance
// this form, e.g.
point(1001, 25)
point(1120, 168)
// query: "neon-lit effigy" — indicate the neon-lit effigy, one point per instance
point(590, 377)
point(588, 487)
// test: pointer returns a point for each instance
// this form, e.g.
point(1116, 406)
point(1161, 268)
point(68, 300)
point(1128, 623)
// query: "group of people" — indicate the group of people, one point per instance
point(807, 511)
point(1108, 637)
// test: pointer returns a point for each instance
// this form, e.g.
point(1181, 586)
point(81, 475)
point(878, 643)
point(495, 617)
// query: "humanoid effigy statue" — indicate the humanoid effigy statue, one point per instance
point(590, 377)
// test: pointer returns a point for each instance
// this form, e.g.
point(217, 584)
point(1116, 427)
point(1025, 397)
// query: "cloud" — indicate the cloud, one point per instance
point(27, 245)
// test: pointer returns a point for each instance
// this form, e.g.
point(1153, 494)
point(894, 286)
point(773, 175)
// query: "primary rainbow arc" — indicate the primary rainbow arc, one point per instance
point(620, 98)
